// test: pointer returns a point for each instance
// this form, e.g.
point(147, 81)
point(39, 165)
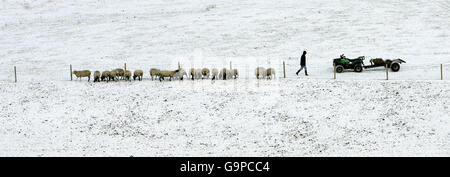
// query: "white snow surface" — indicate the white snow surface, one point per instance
point(288, 117)
point(359, 114)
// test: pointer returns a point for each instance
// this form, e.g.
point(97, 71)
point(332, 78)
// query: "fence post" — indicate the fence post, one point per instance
point(442, 74)
point(179, 66)
point(125, 66)
point(284, 69)
point(71, 72)
point(387, 75)
point(230, 66)
point(334, 70)
point(15, 74)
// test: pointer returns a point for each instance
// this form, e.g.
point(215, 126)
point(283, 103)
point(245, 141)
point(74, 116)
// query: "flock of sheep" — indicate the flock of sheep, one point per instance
point(121, 74)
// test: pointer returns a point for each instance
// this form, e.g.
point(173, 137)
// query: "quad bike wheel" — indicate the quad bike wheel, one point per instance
point(395, 67)
point(339, 68)
point(358, 68)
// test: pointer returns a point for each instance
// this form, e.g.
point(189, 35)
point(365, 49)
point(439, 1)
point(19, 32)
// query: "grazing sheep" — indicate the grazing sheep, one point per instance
point(192, 73)
point(154, 72)
point(229, 74)
point(270, 72)
point(120, 72)
point(260, 71)
point(235, 73)
point(105, 76)
point(205, 72)
point(113, 75)
point(127, 75)
point(198, 73)
point(225, 74)
point(138, 74)
point(97, 76)
point(180, 74)
point(81, 74)
point(215, 73)
point(165, 73)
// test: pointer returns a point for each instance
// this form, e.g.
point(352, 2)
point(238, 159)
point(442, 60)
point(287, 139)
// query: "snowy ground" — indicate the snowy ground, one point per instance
point(43, 37)
point(359, 114)
point(289, 117)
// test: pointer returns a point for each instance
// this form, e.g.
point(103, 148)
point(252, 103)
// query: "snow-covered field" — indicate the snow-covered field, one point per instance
point(360, 114)
point(288, 117)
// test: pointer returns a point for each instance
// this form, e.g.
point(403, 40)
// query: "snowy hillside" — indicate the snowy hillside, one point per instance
point(289, 117)
point(44, 37)
point(359, 114)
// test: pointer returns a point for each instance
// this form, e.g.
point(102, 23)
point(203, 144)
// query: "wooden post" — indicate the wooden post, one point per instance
point(15, 74)
point(442, 73)
point(179, 66)
point(284, 69)
point(70, 72)
point(125, 66)
point(334, 70)
point(387, 75)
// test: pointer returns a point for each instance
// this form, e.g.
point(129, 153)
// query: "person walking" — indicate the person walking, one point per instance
point(303, 64)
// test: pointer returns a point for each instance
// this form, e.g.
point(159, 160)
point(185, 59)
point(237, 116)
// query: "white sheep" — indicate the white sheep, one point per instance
point(180, 73)
point(165, 73)
point(138, 74)
point(105, 76)
point(120, 73)
point(229, 74)
point(154, 72)
point(97, 76)
point(270, 73)
point(81, 74)
point(192, 73)
point(214, 73)
point(127, 75)
point(235, 73)
point(225, 74)
point(113, 75)
point(198, 73)
point(260, 71)
point(205, 73)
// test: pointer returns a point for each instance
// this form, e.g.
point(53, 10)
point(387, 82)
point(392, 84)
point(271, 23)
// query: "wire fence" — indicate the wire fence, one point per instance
point(284, 68)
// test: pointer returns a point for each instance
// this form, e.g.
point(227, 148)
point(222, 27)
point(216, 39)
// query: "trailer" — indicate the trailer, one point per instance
point(379, 62)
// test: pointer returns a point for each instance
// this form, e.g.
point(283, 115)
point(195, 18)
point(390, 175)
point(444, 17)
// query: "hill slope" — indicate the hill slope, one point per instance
point(360, 114)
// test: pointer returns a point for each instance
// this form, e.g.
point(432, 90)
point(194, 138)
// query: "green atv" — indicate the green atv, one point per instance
point(357, 64)
point(346, 63)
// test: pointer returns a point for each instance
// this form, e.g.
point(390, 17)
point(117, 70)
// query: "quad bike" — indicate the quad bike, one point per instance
point(346, 63)
point(357, 64)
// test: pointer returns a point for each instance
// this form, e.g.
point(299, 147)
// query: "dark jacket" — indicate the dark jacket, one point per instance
point(303, 60)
